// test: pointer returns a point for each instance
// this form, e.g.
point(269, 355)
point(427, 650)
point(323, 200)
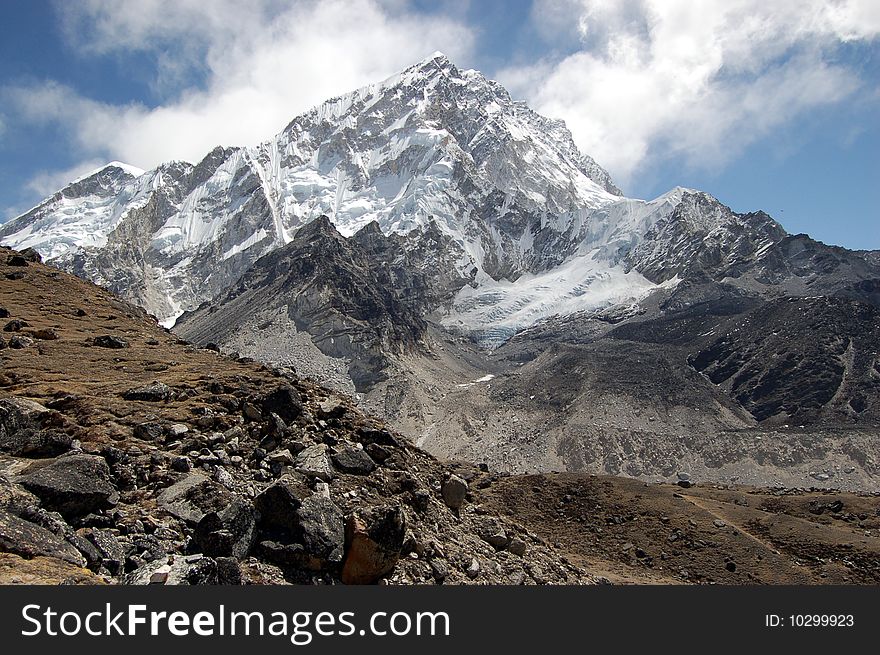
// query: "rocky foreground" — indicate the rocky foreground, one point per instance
point(130, 456)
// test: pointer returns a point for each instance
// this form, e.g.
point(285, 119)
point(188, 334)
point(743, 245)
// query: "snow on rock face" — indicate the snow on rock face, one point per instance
point(539, 226)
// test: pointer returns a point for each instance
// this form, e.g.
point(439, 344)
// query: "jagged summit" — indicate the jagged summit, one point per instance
point(536, 227)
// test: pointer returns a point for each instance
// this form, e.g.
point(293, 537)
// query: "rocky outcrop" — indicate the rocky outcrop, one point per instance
point(72, 485)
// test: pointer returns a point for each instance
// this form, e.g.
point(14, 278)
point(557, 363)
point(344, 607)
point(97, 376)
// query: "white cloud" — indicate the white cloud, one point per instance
point(654, 78)
point(263, 63)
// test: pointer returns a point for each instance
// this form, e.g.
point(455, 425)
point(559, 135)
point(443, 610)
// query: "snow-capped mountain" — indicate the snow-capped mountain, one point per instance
point(535, 228)
point(432, 144)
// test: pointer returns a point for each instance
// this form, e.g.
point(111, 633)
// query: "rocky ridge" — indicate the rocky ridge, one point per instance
point(130, 456)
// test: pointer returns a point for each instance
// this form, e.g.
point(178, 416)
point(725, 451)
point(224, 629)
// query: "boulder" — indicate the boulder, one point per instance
point(492, 532)
point(29, 540)
point(110, 341)
point(15, 325)
point(454, 491)
point(321, 532)
point(20, 342)
point(227, 532)
point(45, 334)
point(349, 459)
point(73, 485)
point(313, 462)
point(193, 497)
point(331, 408)
point(154, 393)
point(149, 431)
point(30, 255)
point(15, 499)
point(110, 551)
point(193, 569)
point(306, 529)
point(284, 401)
point(22, 433)
point(278, 504)
point(373, 544)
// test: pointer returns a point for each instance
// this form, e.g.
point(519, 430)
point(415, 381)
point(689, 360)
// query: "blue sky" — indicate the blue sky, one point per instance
point(769, 106)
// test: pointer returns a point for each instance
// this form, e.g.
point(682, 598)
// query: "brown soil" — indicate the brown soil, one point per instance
point(632, 532)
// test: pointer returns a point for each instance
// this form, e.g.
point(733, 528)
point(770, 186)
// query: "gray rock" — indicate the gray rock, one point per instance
point(439, 570)
point(110, 341)
point(282, 457)
point(20, 342)
point(492, 532)
point(377, 452)
point(193, 497)
point(331, 408)
point(284, 401)
point(314, 462)
point(321, 531)
point(473, 569)
point(278, 505)
point(21, 430)
point(176, 570)
point(454, 492)
point(29, 540)
point(155, 392)
point(353, 460)
point(517, 547)
point(181, 464)
point(227, 532)
point(177, 430)
point(73, 485)
point(149, 431)
point(108, 546)
point(15, 325)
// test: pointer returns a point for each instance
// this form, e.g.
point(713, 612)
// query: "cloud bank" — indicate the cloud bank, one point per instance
point(651, 79)
point(637, 81)
point(257, 65)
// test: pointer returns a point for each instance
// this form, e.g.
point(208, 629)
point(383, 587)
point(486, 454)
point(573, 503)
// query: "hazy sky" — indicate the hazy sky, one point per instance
point(771, 105)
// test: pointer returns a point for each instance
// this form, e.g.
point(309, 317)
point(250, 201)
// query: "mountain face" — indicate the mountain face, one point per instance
point(447, 256)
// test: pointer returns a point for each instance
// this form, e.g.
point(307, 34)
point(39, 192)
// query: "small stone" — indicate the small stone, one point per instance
point(454, 491)
point(20, 342)
point(155, 392)
point(718, 523)
point(377, 452)
point(148, 431)
point(517, 547)
point(45, 334)
point(281, 457)
point(354, 461)
point(473, 569)
point(15, 325)
point(110, 341)
point(439, 570)
point(252, 412)
point(314, 462)
point(683, 476)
